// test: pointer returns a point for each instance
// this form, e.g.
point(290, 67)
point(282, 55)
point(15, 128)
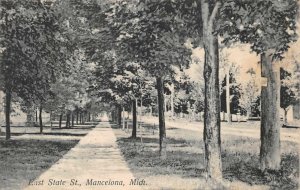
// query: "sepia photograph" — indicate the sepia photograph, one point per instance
point(149, 94)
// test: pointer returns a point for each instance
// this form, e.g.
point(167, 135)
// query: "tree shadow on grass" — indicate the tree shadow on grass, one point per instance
point(240, 160)
point(143, 158)
point(78, 128)
point(138, 140)
point(146, 140)
point(55, 134)
point(24, 159)
point(68, 134)
point(240, 167)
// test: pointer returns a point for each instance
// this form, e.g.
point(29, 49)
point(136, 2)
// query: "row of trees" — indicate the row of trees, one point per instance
point(42, 66)
point(155, 36)
point(184, 98)
point(135, 42)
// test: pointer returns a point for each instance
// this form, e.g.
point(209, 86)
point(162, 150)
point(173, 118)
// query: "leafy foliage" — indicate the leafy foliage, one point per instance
point(287, 91)
point(34, 53)
point(148, 36)
point(266, 25)
point(249, 92)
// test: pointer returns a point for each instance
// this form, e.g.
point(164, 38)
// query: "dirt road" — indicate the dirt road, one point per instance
point(247, 129)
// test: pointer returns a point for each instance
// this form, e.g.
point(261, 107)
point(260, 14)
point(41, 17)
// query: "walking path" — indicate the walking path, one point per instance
point(94, 163)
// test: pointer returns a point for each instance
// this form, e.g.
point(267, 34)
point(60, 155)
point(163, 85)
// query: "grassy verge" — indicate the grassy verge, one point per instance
point(28, 154)
point(23, 160)
point(184, 167)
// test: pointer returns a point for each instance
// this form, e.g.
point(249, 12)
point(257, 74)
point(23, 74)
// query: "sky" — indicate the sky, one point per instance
point(241, 56)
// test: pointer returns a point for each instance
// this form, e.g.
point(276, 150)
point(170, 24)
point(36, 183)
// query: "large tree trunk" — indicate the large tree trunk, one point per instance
point(211, 133)
point(228, 96)
point(60, 120)
point(133, 135)
point(7, 112)
point(41, 119)
point(270, 119)
point(161, 114)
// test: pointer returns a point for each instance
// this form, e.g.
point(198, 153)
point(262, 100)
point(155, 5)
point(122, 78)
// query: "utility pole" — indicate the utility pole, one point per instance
point(228, 95)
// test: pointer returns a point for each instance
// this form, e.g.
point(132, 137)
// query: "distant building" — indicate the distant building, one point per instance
point(293, 115)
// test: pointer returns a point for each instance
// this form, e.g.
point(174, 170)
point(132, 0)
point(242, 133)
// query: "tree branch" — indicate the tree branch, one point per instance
point(204, 11)
point(214, 12)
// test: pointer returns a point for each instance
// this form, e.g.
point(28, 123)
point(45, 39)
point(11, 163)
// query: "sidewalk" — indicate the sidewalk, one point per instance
point(94, 163)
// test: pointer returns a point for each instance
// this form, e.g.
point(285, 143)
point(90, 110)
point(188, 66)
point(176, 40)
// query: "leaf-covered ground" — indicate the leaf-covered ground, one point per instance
point(184, 166)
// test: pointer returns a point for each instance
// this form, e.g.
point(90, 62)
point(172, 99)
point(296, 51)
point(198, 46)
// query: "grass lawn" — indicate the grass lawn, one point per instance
point(184, 167)
point(28, 153)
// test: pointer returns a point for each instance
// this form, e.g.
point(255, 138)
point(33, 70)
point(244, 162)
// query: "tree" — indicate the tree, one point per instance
point(269, 26)
point(32, 56)
point(118, 83)
point(250, 91)
point(87, 25)
point(212, 138)
point(145, 34)
point(70, 91)
point(188, 94)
